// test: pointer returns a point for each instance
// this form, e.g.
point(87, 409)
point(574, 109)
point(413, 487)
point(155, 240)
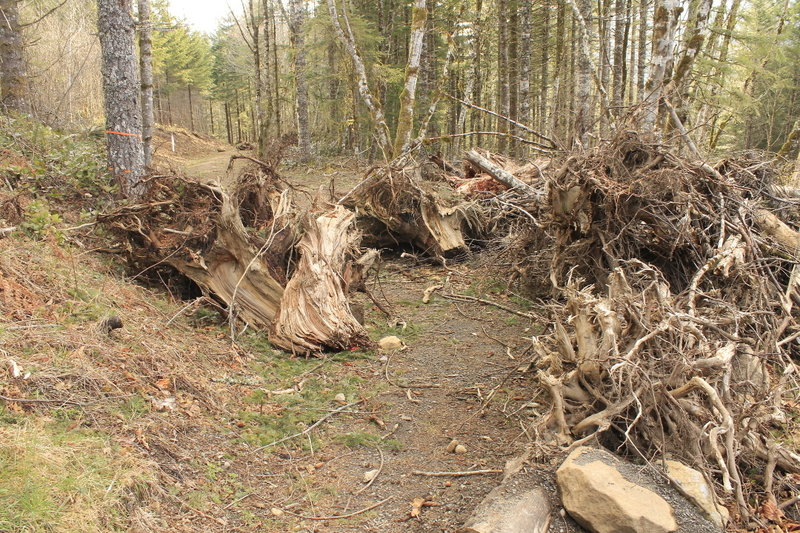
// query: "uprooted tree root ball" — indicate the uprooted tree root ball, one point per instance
point(238, 247)
point(675, 318)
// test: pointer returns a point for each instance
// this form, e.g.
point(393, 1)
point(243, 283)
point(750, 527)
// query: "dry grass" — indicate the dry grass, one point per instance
point(53, 478)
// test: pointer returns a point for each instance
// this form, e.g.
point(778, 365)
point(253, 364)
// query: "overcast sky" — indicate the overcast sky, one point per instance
point(202, 15)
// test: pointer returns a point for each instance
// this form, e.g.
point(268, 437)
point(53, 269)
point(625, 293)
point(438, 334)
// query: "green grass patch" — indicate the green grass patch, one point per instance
point(52, 479)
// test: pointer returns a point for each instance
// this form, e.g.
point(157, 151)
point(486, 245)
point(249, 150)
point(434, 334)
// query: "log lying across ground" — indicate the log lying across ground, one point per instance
point(236, 247)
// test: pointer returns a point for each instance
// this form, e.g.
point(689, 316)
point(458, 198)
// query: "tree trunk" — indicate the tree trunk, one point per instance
point(228, 127)
point(502, 72)
point(297, 20)
point(12, 60)
point(191, 109)
point(583, 116)
point(146, 71)
point(641, 49)
point(513, 70)
point(276, 86)
point(664, 24)
point(694, 42)
point(544, 79)
point(525, 104)
point(374, 106)
point(405, 120)
point(619, 55)
point(121, 91)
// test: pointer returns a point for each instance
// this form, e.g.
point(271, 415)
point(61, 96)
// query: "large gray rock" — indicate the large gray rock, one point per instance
point(600, 499)
point(505, 510)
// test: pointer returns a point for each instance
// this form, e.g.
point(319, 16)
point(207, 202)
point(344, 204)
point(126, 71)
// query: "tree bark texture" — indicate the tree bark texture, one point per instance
point(146, 72)
point(583, 117)
point(694, 43)
point(665, 23)
point(12, 60)
point(121, 96)
point(502, 72)
point(405, 120)
point(619, 55)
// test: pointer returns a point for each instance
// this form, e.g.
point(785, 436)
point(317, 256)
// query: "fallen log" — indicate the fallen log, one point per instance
point(499, 174)
point(778, 230)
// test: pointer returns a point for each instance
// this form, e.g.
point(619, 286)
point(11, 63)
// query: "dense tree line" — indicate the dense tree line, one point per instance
point(359, 76)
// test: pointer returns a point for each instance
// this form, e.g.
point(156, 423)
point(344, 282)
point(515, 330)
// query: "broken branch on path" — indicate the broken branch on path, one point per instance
point(339, 516)
point(457, 474)
point(309, 428)
point(374, 477)
point(465, 298)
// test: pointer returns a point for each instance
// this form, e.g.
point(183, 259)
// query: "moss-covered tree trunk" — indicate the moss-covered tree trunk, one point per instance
point(405, 120)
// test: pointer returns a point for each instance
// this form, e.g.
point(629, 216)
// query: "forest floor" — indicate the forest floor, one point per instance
point(185, 443)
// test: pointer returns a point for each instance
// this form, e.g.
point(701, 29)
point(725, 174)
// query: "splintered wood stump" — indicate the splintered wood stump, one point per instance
point(197, 229)
point(314, 312)
point(399, 208)
point(235, 270)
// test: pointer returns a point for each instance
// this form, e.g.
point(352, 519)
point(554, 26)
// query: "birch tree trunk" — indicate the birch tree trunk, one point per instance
point(694, 42)
point(664, 24)
point(297, 21)
point(121, 95)
point(12, 60)
point(146, 72)
point(405, 120)
point(619, 55)
point(374, 106)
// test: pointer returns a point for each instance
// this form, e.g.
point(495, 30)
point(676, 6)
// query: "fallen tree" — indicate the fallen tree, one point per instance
point(395, 205)
point(237, 246)
point(675, 315)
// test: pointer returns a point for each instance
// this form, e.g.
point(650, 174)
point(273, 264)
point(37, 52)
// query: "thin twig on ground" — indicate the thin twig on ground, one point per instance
point(465, 298)
point(457, 474)
point(338, 517)
point(378, 473)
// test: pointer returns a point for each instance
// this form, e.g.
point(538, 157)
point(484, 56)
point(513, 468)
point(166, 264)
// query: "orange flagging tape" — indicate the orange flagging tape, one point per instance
point(123, 133)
